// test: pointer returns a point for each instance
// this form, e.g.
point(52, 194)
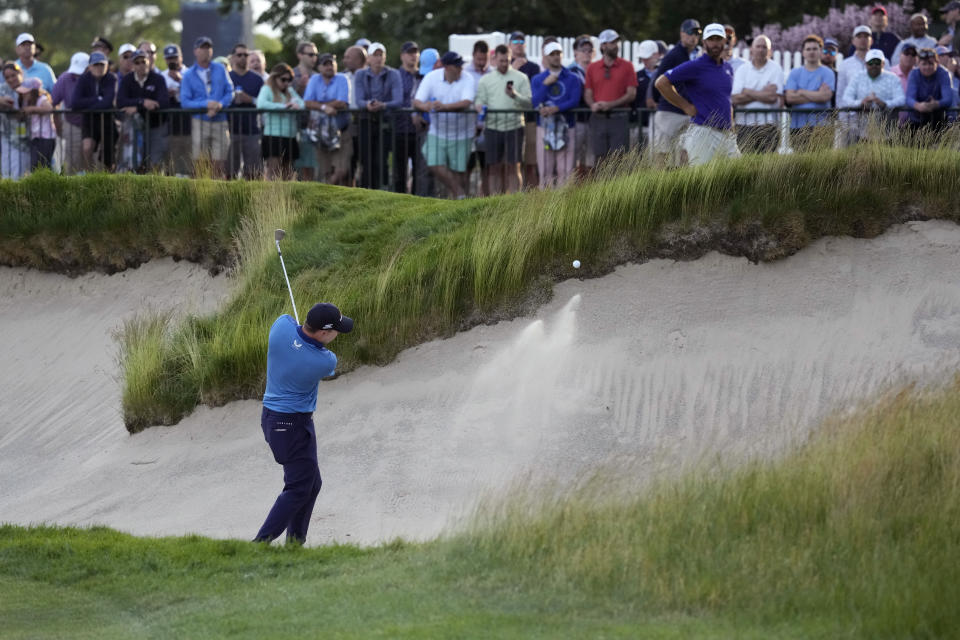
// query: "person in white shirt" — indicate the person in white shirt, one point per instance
point(447, 95)
point(758, 85)
point(855, 64)
point(875, 92)
point(918, 37)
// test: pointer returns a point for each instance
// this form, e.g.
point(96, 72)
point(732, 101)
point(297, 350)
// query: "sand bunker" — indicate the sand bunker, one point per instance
point(659, 363)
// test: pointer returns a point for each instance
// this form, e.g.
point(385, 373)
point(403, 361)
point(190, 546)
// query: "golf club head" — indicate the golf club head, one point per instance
point(278, 234)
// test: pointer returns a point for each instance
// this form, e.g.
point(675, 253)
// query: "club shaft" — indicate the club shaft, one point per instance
point(289, 288)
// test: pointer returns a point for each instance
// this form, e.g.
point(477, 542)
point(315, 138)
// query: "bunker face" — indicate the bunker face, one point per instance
point(657, 364)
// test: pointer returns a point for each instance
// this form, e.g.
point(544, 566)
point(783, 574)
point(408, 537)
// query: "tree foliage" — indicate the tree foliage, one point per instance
point(64, 27)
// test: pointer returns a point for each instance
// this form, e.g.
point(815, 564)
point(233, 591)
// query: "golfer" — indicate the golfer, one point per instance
point(708, 82)
point(297, 359)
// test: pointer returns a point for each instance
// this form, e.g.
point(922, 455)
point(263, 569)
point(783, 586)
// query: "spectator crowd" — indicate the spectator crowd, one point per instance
point(436, 124)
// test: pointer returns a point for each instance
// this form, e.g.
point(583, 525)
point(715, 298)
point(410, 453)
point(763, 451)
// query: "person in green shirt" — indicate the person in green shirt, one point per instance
point(505, 88)
point(279, 141)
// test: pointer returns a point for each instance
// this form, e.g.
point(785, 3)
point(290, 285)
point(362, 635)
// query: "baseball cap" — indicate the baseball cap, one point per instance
point(582, 40)
point(950, 6)
point(78, 63)
point(428, 57)
point(714, 30)
point(24, 37)
point(100, 41)
point(918, 16)
point(517, 36)
point(325, 58)
point(862, 29)
point(202, 41)
point(376, 46)
point(874, 54)
point(830, 42)
point(97, 57)
point(690, 26)
point(908, 46)
point(452, 57)
point(879, 8)
point(647, 48)
point(551, 47)
point(126, 47)
point(362, 42)
point(139, 53)
point(325, 316)
point(941, 50)
point(409, 46)
point(171, 51)
point(608, 35)
point(29, 84)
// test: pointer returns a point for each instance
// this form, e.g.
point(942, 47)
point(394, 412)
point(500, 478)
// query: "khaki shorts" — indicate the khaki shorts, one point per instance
point(211, 138)
point(530, 142)
point(666, 130)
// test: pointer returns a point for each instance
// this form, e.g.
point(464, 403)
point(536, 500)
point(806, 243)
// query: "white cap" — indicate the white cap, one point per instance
point(550, 47)
point(78, 63)
point(647, 48)
point(862, 29)
point(714, 29)
point(608, 35)
point(126, 47)
point(376, 46)
point(24, 37)
point(875, 54)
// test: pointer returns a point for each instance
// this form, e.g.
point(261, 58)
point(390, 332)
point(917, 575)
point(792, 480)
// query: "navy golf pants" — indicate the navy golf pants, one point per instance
point(293, 441)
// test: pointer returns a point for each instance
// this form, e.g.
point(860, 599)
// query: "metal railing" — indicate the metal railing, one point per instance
point(400, 150)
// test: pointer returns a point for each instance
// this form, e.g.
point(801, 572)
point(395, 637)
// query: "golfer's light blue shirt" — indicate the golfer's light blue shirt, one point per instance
point(295, 365)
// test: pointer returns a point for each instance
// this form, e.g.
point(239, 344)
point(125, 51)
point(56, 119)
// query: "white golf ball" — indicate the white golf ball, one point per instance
point(576, 264)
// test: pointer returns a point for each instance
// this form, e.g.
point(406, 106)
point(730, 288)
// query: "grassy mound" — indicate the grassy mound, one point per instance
point(410, 269)
point(854, 535)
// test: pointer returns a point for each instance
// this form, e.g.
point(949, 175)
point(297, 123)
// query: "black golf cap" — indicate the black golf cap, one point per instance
point(452, 57)
point(690, 26)
point(325, 316)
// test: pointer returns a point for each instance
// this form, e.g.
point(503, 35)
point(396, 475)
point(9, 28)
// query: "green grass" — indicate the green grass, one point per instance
point(854, 535)
point(410, 269)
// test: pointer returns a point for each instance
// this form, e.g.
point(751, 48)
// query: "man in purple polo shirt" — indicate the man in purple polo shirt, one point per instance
point(70, 127)
point(708, 82)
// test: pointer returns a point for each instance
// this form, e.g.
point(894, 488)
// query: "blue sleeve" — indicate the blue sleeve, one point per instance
point(793, 83)
point(946, 89)
point(396, 90)
point(189, 99)
point(124, 95)
point(828, 76)
point(911, 89)
point(571, 97)
point(341, 88)
point(310, 93)
point(682, 73)
point(82, 96)
point(360, 88)
point(537, 93)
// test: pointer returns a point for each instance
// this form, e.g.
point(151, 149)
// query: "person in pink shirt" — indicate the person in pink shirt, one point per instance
point(906, 63)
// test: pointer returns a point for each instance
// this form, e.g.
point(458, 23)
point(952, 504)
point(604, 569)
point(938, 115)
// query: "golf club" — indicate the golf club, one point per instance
point(278, 236)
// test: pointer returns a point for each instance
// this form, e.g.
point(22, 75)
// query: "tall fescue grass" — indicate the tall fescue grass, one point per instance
point(860, 525)
point(409, 269)
point(853, 535)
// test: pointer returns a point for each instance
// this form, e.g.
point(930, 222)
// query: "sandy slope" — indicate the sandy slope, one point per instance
point(658, 363)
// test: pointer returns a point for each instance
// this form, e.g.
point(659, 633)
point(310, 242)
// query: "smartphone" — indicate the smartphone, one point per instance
point(509, 84)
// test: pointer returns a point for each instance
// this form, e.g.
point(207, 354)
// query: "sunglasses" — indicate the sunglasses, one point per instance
point(830, 52)
point(140, 61)
point(287, 79)
point(241, 55)
point(517, 41)
point(926, 55)
point(874, 63)
point(127, 56)
point(311, 55)
point(693, 32)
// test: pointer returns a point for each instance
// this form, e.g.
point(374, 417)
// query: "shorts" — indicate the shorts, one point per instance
point(704, 144)
point(667, 125)
point(503, 146)
point(443, 152)
point(530, 141)
point(308, 157)
point(286, 149)
point(211, 138)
